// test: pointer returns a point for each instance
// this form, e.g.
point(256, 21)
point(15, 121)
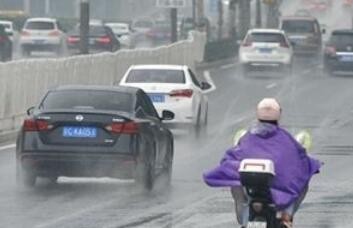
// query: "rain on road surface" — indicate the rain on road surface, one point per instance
point(309, 99)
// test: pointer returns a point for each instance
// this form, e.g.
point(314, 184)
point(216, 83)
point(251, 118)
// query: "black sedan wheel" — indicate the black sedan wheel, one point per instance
point(327, 71)
point(115, 47)
point(24, 177)
point(146, 169)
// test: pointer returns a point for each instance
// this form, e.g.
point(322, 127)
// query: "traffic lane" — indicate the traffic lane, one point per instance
point(71, 201)
point(322, 105)
point(216, 209)
point(94, 204)
point(86, 202)
point(47, 203)
point(233, 107)
point(81, 202)
point(309, 101)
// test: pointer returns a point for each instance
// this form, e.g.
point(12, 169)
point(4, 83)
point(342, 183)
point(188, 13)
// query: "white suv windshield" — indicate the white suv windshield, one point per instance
point(156, 76)
point(266, 38)
point(40, 25)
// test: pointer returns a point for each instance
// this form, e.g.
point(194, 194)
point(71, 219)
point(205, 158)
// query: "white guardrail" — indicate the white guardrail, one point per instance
point(24, 82)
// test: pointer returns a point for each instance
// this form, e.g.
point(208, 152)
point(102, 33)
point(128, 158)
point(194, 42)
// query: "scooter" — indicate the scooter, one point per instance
point(256, 176)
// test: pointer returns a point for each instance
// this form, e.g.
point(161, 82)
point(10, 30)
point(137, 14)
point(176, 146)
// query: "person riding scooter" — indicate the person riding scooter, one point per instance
point(267, 140)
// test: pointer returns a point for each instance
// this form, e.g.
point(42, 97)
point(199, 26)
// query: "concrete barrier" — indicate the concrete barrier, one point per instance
point(24, 82)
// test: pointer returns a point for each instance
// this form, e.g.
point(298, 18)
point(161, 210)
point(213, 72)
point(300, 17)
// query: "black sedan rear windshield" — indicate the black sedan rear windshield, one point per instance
point(156, 76)
point(88, 100)
point(266, 38)
point(343, 39)
point(94, 30)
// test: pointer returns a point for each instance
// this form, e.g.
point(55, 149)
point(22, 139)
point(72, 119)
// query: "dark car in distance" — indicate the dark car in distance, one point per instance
point(161, 31)
point(338, 52)
point(5, 45)
point(88, 131)
point(101, 39)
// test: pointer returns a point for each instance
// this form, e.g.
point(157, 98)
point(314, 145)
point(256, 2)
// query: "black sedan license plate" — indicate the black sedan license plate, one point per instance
point(80, 132)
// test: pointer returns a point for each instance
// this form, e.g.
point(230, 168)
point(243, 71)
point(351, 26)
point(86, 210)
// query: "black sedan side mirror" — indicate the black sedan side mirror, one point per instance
point(30, 111)
point(167, 115)
point(205, 85)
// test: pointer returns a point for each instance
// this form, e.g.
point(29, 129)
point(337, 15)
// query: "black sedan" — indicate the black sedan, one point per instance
point(101, 39)
point(5, 45)
point(338, 53)
point(85, 131)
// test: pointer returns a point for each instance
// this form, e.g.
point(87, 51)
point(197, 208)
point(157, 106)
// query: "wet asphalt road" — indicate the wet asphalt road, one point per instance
point(310, 100)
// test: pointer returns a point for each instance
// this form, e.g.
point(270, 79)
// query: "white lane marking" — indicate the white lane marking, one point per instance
point(228, 66)
point(208, 78)
point(11, 146)
point(307, 71)
point(77, 214)
point(93, 180)
point(272, 85)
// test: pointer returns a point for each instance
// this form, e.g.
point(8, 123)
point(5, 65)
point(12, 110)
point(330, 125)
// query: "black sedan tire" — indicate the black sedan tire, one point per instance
point(327, 71)
point(115, 48)
point(146, 169)
point(25, 52)
point(25, 178)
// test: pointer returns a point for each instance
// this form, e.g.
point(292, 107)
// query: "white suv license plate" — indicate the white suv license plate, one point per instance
point(265, 50)
point(257, 225)
point(38, 41)
point(157, 98)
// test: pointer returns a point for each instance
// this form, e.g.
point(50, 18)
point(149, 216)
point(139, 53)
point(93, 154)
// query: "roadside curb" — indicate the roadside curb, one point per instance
point(216, 64)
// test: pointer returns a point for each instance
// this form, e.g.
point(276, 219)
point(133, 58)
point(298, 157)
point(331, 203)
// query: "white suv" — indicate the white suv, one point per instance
point(174, 88)
point(42, 34)
point(266, 48)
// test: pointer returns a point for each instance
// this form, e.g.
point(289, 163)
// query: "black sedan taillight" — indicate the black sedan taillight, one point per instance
point(36, 125)
point(73, 40)
point(330, 50)
point(2, 39)
point(123, 128)
point(104, 40)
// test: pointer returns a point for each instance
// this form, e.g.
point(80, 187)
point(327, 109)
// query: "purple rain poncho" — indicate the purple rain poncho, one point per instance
point(293, 167)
